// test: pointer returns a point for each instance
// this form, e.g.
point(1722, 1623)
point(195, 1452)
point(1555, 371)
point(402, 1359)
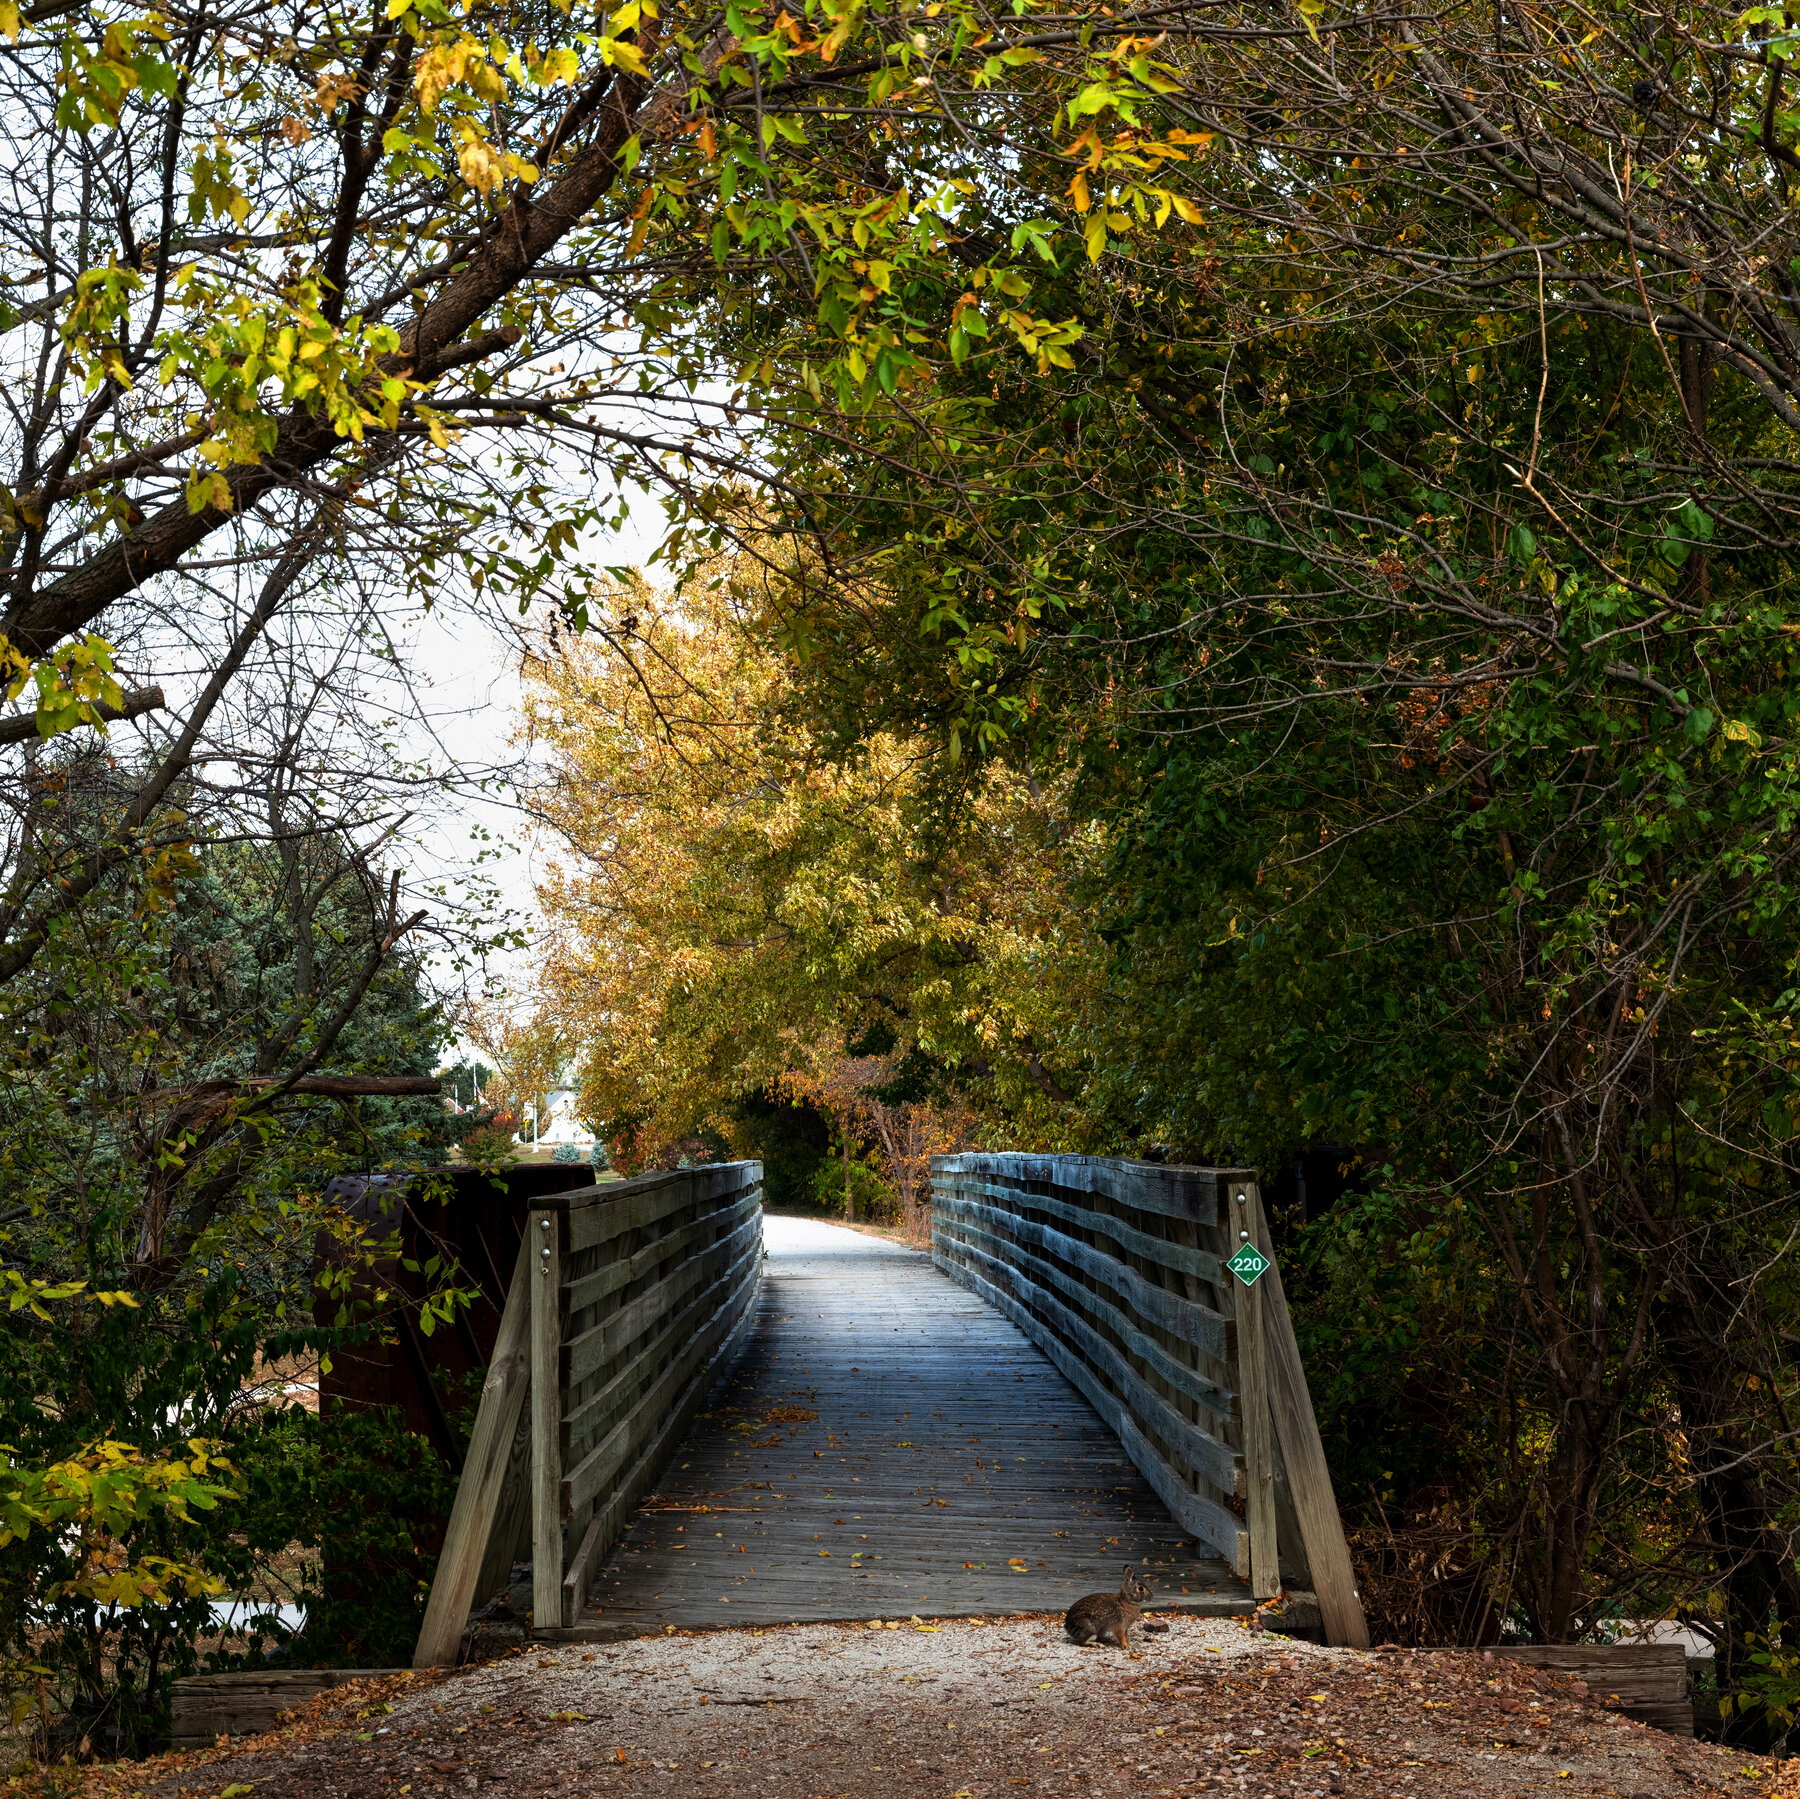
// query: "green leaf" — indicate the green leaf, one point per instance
point(1095, 97)
point(1694, 523)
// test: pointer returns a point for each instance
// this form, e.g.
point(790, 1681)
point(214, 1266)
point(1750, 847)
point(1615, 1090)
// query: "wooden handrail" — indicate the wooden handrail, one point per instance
point(1115, 1269)
point(627, 1301)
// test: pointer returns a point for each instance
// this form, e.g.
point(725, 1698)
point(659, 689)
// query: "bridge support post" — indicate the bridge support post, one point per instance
point(480, 1492)
point(544, 1246)
point(1309, 1476)
point(1253, 1372)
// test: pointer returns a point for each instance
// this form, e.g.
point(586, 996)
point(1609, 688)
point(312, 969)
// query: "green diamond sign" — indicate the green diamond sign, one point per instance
point(1249, 1264)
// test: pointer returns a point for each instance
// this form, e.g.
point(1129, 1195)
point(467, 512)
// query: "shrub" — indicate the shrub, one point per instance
point(565, 1153)
point(111, 1556)
point(367, 1499)
point(872, 1195)
point(491, 1138)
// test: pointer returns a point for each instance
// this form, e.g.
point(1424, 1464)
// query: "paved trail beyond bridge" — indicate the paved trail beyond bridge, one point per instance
point(886, 1445)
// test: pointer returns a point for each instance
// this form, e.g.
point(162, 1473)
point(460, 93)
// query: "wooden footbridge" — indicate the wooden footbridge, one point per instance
point(694, 1415)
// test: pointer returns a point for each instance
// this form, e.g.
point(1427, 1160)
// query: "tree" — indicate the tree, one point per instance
point(338, 317)
point(465, 1082)
point(1404, 565)
point(166, 1203)
point(731, 910)
point(879, 1097)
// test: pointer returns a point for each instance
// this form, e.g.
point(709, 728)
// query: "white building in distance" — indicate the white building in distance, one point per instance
point(559, 1122)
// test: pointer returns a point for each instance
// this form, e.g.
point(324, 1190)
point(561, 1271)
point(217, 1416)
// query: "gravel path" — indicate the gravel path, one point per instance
point(962, 1710)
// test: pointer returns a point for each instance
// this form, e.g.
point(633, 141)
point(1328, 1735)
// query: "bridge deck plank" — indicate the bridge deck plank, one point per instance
point(944, 1447)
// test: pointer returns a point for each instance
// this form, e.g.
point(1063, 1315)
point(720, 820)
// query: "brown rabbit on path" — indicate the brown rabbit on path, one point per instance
point(1108, 1617)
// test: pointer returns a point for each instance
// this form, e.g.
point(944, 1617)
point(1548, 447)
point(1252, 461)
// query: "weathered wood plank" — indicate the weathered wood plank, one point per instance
point(1648, 1673)
point(1203, 1518)
point(1647, 1681)
point(204, 1707)
point(734, 1318)
point(542, 1249)
point(1259, 1465)
point(1183, 1258)
point(1332, 1575)
point(1172, 1191)
point(590, 1289)
point(595, 1472)
point(1217, 1399)
point(593, 1349)
point(508, 1540)
point(475, 1510)
point(1204, 1455)
point(596, 1415)
point(654, 1180)
point(1186, 1318)
point(634, 1205)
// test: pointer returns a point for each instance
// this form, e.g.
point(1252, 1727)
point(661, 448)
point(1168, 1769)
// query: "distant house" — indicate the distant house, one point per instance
point(559, 1123)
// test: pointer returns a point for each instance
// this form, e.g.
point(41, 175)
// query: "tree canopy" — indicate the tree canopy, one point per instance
point(729, 906)
point(1226, 582)
point(1392, 587)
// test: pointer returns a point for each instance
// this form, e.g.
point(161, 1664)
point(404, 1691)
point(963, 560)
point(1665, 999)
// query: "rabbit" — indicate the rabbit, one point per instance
point(1108, 1617)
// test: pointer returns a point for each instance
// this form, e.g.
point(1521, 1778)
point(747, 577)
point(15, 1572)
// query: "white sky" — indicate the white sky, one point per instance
point(468, 661)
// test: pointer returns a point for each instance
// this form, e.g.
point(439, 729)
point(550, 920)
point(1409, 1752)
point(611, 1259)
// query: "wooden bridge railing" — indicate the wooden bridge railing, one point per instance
point(627, 1300)
point(1117, 1271)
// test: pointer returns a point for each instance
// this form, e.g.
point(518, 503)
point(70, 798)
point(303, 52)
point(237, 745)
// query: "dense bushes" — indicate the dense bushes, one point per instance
point(856, 1189)
point(106, 1599)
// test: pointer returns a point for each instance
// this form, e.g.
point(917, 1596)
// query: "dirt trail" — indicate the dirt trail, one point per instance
point(959, 1710)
